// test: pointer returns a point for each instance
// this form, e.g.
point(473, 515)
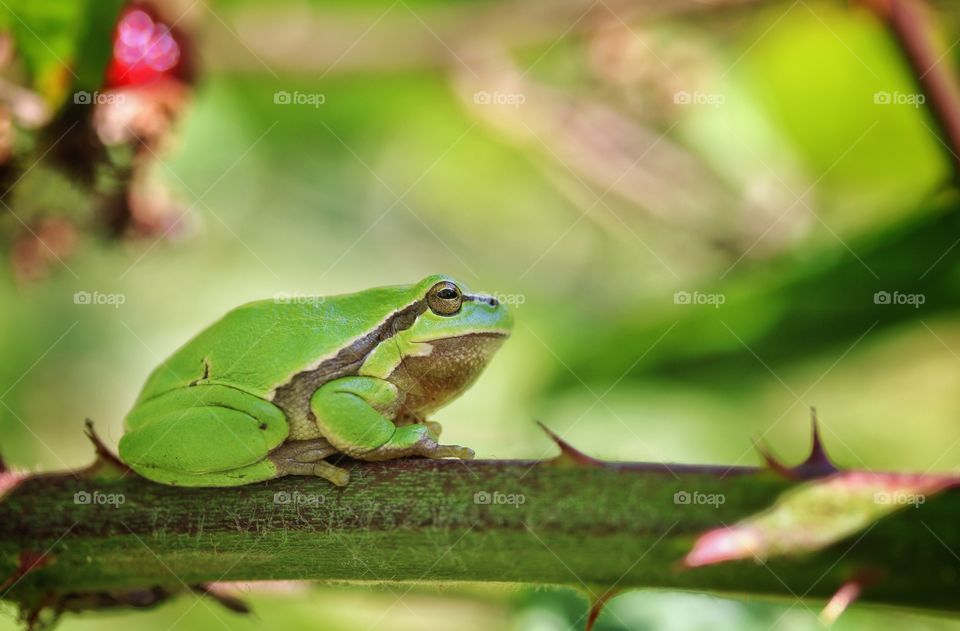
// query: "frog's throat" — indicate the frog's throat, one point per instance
point(431, 380)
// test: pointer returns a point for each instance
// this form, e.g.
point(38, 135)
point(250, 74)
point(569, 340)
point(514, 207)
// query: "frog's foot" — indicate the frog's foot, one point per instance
point(450, 451)
point(320, 469)
point(305, 450)
point(306, 457)
point(416, 440)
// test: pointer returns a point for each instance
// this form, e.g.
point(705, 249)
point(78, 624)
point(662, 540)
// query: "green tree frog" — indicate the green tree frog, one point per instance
point(276, 387)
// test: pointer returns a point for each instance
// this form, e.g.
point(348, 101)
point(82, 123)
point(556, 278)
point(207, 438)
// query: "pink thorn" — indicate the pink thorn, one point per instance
point(724, 544)
point(9, 480)
point(844, 597)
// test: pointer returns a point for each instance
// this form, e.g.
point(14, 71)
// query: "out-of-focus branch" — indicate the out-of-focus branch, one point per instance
point(310, 39)
point(911, 23)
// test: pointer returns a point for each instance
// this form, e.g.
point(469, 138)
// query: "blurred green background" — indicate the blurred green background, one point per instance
point(586, 169)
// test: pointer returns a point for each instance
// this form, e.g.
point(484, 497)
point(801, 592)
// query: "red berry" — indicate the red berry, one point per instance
point(144, 50)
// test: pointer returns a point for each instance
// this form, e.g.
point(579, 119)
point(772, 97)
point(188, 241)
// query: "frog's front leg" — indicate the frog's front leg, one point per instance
point(435, 427)
point(354, 414)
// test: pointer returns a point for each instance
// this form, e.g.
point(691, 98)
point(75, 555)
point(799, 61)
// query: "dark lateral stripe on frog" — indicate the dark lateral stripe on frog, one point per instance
point(294, 396)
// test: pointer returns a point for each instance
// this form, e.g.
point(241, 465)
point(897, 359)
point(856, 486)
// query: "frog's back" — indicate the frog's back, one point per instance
point(261, 345)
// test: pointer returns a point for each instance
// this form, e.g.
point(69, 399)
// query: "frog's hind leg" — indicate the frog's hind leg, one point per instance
point(306, 457)
point(208, 435)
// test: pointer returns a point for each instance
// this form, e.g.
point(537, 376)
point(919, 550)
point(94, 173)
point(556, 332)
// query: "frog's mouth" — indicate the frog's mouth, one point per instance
point(500, 335)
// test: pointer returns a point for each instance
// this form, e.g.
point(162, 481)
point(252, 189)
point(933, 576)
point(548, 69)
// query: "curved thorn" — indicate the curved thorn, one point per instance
point(816, 464)
point(771, 461)
point(846, 595)
point(839, 602)
point(232, 603)
point(28, 561)
point(9, 480)
point(103, 452)
point(597, 606)
point(818, 458)
point(569, 453)
point(728, 543)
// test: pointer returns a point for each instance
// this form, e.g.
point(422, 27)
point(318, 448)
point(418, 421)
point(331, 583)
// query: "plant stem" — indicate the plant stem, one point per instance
point(590, 526)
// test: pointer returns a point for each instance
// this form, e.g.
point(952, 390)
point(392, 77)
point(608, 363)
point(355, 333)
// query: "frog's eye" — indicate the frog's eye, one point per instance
point(445, 298)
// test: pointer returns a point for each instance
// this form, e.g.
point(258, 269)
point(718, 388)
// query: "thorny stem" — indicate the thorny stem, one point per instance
point(106, 540)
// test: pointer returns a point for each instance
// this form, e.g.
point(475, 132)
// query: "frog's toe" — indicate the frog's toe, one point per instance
point(336, 475)
point(435, 428)
point(306, 458)
point(453, 451)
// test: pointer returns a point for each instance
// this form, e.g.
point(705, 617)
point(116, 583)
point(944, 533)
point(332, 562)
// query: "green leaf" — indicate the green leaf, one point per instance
point(62, 44)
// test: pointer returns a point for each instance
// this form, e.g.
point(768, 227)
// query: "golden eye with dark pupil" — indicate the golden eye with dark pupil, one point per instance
point(445, 299)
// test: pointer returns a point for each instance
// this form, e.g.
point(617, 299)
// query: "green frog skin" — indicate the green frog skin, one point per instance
point(274, 388)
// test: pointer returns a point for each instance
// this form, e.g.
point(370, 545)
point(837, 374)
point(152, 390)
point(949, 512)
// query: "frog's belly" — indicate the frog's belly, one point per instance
point(303, 429)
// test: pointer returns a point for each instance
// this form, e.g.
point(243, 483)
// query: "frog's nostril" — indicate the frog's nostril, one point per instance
point(493, 301)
